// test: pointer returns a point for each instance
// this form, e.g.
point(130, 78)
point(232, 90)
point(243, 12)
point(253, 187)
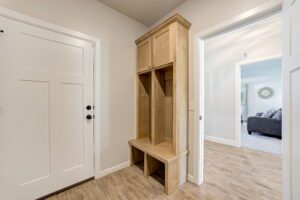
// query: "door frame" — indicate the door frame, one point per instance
point(245, 18)
point(96, 44)
point(238, 80)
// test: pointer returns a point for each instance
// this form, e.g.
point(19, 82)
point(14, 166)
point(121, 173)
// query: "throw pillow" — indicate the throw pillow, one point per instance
point(277, 115)
point(269, 113)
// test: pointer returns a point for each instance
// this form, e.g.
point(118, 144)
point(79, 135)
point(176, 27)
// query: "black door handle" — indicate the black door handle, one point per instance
point(88, 107)
point(89, 117)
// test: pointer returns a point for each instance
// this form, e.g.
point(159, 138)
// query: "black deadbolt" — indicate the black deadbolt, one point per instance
point(89, 107)
point(89, 117)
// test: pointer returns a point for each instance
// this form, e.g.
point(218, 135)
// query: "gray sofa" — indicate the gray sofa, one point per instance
point(268, 126)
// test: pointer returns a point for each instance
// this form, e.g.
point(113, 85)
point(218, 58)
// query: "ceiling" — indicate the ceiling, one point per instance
point(145, 11)
point(261, 71)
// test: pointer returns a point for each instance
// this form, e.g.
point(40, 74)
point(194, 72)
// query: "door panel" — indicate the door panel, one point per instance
point(144, 55)
point(46, 82)
point(295, 130)
point(34, 130)
point(163, 51)
point(61, 57)
point(72, 125)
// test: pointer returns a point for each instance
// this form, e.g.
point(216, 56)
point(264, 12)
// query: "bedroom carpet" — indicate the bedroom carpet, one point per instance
point(260, 142)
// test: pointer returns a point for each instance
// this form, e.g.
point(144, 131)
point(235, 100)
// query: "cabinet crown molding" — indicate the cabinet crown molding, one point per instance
point(175, 18)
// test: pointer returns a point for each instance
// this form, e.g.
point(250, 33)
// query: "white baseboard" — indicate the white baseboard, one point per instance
point(127, 164)
point(222, 141)
point(114, 169)
point(191, 179)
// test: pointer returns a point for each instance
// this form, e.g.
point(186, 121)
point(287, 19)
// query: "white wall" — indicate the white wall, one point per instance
point(222, 53)
point(258, 75)
point(204, 14)
point(257, 104)
point(118, 61)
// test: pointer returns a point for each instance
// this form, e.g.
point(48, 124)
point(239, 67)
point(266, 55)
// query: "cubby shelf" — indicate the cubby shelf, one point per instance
point(160, 148)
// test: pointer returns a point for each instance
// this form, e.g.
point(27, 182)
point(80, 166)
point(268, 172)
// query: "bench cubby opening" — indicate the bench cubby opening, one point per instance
point(137, 158)
point(156, 169)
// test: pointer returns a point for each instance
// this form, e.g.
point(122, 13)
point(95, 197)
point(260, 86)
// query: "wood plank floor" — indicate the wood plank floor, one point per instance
point(230, 174)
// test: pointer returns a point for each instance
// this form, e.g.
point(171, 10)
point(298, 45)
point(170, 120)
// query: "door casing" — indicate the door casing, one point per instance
point(238, 137)
point(291, 71)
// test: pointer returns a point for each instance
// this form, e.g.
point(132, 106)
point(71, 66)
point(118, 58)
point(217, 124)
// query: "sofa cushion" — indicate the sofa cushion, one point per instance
point(269, 113)
point(277, 115)
point(259, 114)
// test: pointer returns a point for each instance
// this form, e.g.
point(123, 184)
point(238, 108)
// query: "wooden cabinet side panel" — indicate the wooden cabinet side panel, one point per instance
point(176, 174)
point(181, 91)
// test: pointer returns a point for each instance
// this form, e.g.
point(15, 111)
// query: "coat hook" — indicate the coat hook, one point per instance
point(1, 31)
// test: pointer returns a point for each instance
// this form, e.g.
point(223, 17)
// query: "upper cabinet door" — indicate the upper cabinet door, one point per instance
point(144, 55)
point(163, 46)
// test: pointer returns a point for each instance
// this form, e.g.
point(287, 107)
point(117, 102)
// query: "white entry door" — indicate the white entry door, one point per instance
point(46, 84)
point(291, 124)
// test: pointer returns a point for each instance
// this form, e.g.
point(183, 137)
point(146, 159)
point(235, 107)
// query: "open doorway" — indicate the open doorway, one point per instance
point(225, 160)
point(260, 104)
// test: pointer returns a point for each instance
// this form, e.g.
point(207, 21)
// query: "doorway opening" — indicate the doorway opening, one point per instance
point(260, 104)
point(220, 107)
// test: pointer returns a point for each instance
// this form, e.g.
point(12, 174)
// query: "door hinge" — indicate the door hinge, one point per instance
point(200, 117)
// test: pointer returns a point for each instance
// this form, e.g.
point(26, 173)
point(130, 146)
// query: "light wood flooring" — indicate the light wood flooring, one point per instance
point(230, 174)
